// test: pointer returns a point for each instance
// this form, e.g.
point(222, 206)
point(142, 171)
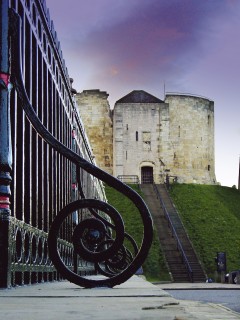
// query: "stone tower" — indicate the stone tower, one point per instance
point(96, 115)
point(189, 153)
point(153, 138)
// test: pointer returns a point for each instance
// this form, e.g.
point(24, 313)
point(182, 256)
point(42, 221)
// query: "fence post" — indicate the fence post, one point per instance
point(5, 148)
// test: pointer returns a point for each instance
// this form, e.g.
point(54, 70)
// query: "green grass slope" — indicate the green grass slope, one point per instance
point(211, 215)
point(154, 266)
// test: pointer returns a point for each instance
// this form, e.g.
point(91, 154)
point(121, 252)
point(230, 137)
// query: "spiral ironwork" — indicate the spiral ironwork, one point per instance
point(100, 238)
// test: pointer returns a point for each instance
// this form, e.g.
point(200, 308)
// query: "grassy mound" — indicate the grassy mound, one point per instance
point(211, 215)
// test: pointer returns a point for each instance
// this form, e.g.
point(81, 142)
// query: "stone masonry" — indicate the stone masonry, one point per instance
point(150, 137)
point(96, 115)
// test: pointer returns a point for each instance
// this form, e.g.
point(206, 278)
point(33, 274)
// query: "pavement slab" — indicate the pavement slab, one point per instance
point(135, 299)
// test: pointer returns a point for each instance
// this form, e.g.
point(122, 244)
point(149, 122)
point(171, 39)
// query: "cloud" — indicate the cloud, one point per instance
point(155, 36)
point(138, 43)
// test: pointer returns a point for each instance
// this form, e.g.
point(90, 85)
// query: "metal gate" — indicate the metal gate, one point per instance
point(46, 165)
point(147, 175)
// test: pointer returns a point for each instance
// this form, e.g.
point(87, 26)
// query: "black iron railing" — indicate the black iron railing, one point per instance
point(58, 223)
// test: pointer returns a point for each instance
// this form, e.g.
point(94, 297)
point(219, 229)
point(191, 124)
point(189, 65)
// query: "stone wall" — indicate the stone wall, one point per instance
point(136, 138)
point(95, 112)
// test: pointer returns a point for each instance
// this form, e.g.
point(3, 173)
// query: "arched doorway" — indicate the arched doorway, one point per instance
point(147, 175)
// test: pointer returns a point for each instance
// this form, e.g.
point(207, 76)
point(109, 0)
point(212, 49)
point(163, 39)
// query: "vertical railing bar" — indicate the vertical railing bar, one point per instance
point(46, 155)
point(38, 72)
point(55, 125)
point(62, 157)
point(27, 179)
point(64, 160)
point(54, 154)
point(33, 134)
point(44, 163)
point(58, 156)
point(19, 160)
point(22, 134)
point(32, 68)
point(14, 151)
point(41, 148)
point(51, 107)
point(67, 161)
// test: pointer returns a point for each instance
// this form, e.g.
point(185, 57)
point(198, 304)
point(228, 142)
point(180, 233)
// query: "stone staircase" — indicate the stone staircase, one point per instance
point(168, 243)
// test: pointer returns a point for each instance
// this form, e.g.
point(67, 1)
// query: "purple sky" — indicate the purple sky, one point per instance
point(192, 46)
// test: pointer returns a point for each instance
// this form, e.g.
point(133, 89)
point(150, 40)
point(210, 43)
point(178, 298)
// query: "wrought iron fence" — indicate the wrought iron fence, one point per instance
point(46, 160)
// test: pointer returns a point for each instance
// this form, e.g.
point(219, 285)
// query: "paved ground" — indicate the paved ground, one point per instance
point(196, 286)
point(228, 298)
point(135, 299)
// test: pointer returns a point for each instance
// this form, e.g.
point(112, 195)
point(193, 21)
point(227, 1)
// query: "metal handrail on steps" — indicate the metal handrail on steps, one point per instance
point(129, 179)
point(174, 233)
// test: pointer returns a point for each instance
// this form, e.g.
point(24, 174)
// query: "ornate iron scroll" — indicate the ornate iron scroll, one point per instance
point(99, 238)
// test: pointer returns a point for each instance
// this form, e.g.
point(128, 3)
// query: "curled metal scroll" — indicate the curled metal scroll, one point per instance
point(97, 239)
